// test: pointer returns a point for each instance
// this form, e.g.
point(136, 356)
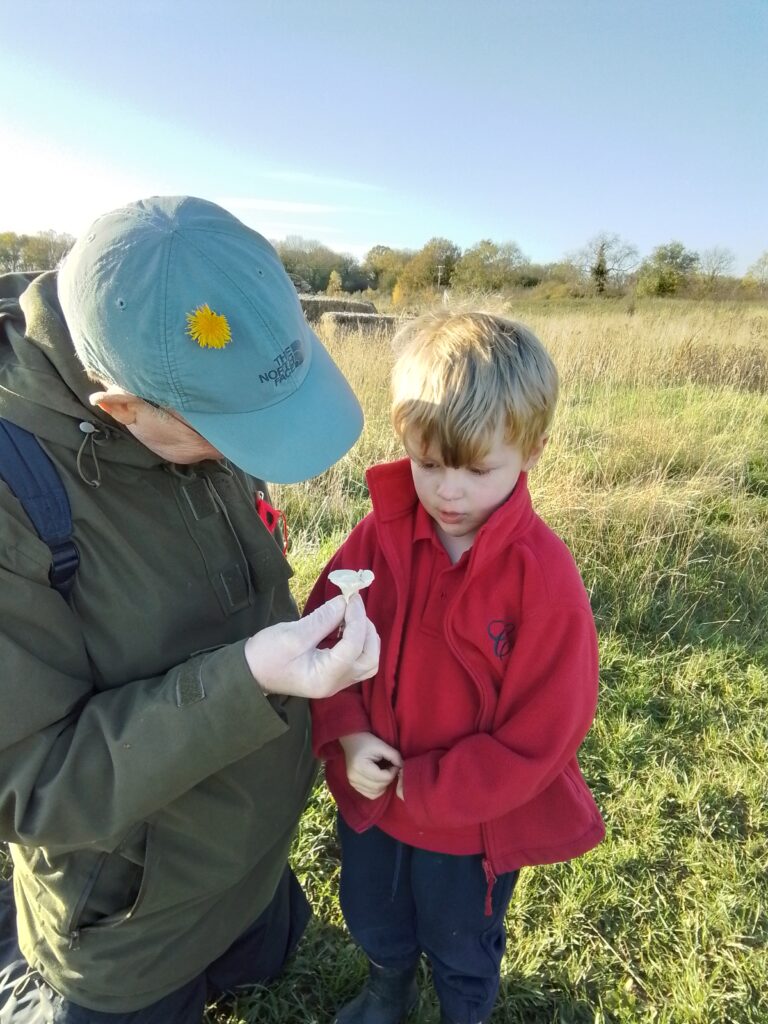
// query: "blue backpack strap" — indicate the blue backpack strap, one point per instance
point(34, 480)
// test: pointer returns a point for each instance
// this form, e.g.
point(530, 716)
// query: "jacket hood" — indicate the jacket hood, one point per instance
point(43, 387)
point(394, 496)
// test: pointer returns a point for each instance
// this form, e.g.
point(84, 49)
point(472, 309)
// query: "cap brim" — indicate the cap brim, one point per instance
point(299, 437)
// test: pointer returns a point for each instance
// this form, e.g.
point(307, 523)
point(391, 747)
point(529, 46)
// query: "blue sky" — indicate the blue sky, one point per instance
point(542, 122)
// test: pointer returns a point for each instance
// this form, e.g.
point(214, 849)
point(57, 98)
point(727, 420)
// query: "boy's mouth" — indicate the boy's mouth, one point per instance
point(449, 517)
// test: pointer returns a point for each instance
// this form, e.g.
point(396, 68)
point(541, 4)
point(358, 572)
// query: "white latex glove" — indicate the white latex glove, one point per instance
point(285, 659)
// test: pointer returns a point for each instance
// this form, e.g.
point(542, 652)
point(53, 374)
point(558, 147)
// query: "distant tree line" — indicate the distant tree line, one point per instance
point(606, 266)
point(43, 251)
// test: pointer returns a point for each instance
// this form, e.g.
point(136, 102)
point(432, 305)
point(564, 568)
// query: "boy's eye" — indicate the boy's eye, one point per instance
point(476, 471)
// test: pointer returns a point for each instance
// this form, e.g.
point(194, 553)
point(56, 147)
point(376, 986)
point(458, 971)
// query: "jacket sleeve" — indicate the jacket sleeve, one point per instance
point(344, 713)
point(545, 708)
point(78, 766)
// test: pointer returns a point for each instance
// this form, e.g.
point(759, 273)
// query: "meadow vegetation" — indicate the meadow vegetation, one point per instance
point(657, 477)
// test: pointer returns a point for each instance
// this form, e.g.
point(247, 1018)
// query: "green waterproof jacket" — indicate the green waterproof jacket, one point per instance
point(148, 789)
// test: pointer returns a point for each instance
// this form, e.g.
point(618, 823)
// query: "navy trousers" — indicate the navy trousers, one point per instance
point(399, 901)
point(257, 956)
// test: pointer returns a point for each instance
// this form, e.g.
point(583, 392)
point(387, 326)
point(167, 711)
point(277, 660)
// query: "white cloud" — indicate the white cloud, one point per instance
point(50, 186)
point(302, 178)
point(262, 204)
point(275, 205)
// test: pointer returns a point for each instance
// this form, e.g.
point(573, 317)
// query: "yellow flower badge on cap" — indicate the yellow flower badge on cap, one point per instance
point(208, 329)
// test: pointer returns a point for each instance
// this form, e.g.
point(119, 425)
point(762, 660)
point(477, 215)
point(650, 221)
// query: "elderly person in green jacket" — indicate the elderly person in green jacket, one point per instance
point(154, 734)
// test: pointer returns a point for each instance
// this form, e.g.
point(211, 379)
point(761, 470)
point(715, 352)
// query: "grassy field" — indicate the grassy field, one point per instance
point(657, 477)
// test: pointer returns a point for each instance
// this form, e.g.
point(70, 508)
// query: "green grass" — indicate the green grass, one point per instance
point(659, 484)
point(666, 921)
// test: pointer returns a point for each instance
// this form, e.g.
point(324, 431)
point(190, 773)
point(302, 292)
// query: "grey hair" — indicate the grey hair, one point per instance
point(100, 378)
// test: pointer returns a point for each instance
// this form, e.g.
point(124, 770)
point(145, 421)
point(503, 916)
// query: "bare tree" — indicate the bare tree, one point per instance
point(758, 272)
point(607, 259)
point(46, 250)
point(714, 263)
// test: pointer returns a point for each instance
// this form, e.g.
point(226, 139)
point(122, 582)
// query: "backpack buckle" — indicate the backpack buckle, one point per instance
point(65, 558)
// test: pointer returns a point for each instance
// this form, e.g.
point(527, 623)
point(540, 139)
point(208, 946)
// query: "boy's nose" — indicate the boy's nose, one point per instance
point(449, 486)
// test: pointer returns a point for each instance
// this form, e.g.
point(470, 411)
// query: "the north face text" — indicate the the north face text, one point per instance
point(291, 357)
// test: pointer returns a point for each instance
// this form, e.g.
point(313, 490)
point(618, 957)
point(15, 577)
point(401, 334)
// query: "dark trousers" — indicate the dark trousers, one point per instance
point(256, 957)
point(399, 901)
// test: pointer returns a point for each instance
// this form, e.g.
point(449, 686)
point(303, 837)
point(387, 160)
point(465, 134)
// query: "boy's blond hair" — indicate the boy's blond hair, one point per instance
point(459, 375)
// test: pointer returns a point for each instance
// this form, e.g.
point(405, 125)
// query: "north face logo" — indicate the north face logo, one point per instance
point(291, 357)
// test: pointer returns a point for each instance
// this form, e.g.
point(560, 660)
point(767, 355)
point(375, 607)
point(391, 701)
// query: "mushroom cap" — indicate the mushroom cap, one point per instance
point(350, 581)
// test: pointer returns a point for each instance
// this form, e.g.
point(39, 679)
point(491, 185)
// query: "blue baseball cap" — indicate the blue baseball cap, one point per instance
point(177, 301)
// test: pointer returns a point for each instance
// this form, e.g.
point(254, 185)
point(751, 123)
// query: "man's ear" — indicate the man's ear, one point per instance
point(535, 453)
point(120, 405)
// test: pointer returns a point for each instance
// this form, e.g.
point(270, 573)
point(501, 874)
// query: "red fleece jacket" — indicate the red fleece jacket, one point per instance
point(513, 776)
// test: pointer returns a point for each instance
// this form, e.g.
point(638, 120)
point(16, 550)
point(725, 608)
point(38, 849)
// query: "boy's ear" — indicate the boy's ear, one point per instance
point(535, 453)
point(120, 405)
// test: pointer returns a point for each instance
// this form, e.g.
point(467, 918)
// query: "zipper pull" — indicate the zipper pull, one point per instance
point(490, 878)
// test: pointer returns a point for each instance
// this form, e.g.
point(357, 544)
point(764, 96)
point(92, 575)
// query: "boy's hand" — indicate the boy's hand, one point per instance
point(371, 763)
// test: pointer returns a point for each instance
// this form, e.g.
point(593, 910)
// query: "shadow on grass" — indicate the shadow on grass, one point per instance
point(542, 999)
point(329, 970)
point(325, 971)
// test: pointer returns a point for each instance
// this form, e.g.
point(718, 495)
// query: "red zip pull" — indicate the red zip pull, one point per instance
point(490, 878)
point(272, 517)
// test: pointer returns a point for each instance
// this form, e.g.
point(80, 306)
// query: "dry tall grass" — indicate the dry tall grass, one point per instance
point(662, 418)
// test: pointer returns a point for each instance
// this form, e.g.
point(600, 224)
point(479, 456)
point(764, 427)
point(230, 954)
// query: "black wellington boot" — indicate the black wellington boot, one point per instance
point(387, 998)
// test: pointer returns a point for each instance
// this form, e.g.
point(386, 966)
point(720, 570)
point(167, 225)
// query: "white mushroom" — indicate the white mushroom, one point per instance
point(349, 581)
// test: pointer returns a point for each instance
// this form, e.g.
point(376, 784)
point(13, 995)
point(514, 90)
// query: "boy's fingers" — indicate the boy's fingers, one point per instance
point(383, 751)
point(368, 789)
point(393, 755)
point(375, 774)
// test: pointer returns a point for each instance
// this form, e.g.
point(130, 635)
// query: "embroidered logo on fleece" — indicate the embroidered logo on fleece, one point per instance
point(503, 635)
point(208, 329)
point(289, 360)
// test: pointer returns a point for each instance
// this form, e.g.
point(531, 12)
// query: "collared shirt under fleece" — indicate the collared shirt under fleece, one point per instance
point(148, 788)
point(487, 684)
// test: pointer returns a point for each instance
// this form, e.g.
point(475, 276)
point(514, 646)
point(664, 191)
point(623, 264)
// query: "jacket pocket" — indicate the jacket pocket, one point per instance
point(115, 887)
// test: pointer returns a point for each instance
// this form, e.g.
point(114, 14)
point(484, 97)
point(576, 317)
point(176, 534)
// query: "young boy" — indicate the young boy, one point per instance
point(455, 765)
